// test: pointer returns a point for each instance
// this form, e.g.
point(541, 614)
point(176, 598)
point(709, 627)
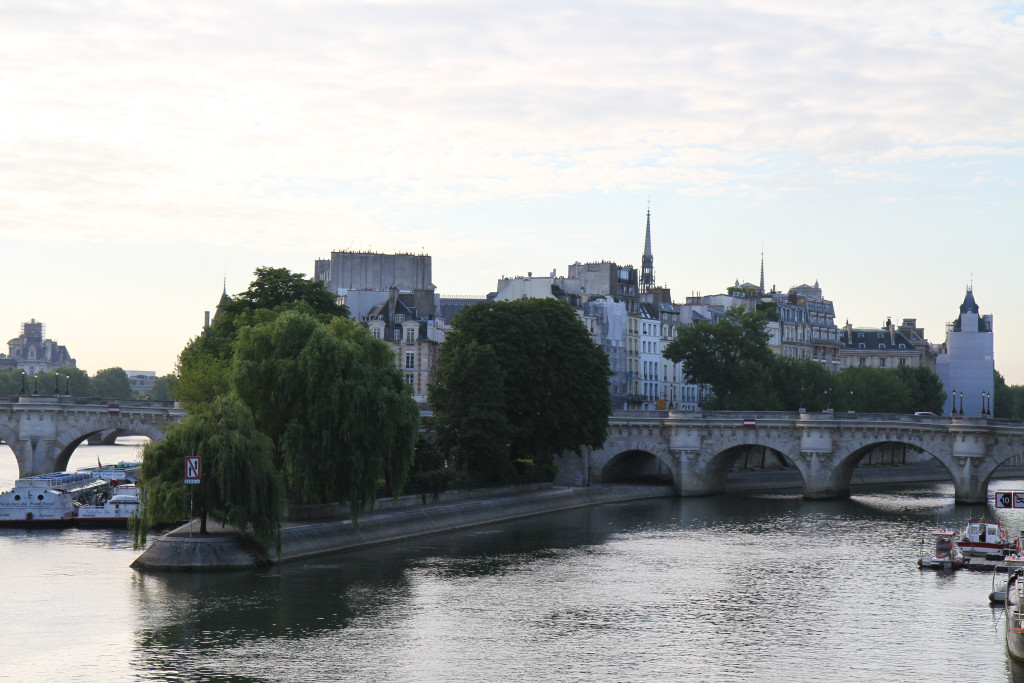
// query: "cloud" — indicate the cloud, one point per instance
point(208, 121)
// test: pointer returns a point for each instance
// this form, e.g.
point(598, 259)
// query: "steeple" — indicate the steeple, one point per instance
point(762, 272)
point(647, 262)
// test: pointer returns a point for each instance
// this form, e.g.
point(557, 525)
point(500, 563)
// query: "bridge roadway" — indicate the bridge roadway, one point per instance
point(697, 449)
point(43, 431)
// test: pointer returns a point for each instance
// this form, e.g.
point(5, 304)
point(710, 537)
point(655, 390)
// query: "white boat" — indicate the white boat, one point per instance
point(1014, 611)
point(946, 554)
point(983, 537)
point(46, 499)
point(115, 474)
point(121, 505)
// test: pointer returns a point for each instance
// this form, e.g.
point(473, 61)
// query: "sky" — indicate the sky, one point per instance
point(152, 153)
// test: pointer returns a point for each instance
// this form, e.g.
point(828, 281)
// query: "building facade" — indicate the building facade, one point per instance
point(876, 347)
point(33, 353)
point(966, 364)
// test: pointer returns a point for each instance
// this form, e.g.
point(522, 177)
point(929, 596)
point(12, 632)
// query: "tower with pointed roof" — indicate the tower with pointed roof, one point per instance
point(647, 262)
point(966, 364)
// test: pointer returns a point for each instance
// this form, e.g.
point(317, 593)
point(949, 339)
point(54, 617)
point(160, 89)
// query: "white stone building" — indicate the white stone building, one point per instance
point(966, 364)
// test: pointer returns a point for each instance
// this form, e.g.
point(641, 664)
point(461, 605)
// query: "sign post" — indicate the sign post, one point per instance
point(193, 469)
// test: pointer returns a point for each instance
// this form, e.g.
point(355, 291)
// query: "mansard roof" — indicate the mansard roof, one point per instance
point(873, 339)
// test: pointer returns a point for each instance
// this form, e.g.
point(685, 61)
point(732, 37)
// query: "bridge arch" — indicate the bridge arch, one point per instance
point(713, 466)
point(636, 466)
point(68, 441)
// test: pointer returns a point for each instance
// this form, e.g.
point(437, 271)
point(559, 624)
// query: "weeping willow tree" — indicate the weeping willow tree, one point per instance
point(239, 486)
point(333, 402)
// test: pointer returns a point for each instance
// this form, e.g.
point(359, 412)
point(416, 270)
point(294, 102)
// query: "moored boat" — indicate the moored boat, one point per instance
point(120, 506)
point(46, 499)
point(946, 554)
point(983, 537)
point(1013, 612)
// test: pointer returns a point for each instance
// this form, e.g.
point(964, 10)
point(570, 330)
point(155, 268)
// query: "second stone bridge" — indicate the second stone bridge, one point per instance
point(697, 449)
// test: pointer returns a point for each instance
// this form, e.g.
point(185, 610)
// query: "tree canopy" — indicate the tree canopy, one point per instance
point(730, 356)
point(239, 485)
point(334, 403)
point(111, 383)
point(732, 359)
point(550, 384)
point(274, 287)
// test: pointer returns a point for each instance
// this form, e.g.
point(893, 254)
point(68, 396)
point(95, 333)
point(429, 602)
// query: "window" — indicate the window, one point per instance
point(398, 335)
point(862, 361)
point(881, 346)
point(410, 361)
point(903, 361)
point(399, 318)
point(881, 362)
point(408, 378)
point(410, 335)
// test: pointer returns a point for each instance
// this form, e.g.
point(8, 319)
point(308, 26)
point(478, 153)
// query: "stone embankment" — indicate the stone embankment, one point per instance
point(226, 549)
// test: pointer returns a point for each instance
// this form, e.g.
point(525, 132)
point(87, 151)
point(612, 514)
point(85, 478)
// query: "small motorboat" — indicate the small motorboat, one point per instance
point(998, 594)
point(985, 537)
point(946, 554)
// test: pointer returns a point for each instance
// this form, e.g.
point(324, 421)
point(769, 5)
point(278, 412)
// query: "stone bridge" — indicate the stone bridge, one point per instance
point(43, 431)
point(697, 449)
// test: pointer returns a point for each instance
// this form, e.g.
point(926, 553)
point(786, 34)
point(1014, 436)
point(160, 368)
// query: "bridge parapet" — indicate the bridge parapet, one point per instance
point(699, 446)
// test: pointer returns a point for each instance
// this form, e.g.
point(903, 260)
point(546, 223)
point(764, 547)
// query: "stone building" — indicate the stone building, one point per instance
point(33, 353)
point(877, 347)
point(407, 321)
point(965, 363)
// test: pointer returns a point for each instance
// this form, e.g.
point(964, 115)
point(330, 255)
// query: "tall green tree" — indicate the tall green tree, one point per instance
point(273, 287)
point(555, 379)
point(334, 403)
point(925, 388)
point(163, 388)
point(239, 485)
point(111, 383)
point(731, 356)
point(468, 400)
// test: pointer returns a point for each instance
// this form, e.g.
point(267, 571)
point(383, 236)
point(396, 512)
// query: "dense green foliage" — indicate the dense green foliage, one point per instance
point(545, 392)
point(111, 383)
point(732, 360)
point(239, 485)
point(334, 409)
point(1008, 400)
point(333, 402)
point(274, 287)
point(67, 381)
point(730, 356)
point(468, 399)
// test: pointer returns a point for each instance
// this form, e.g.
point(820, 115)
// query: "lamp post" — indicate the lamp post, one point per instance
point(953, 409)
point(961, 403)
point(801, 399)
point(851, 401)
point(56, 383)
point(35, 384)
point(24, 375)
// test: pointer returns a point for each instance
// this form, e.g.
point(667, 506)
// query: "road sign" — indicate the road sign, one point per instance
point(1004, 499)
point(192, 469)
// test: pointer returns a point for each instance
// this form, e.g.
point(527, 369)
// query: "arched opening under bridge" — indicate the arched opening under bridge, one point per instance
point(636, 467)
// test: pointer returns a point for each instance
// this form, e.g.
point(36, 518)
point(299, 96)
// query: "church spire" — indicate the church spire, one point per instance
point(762, 271)
point(647, 262)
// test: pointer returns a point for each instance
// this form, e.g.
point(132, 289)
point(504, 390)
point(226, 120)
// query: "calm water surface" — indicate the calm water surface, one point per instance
point(752, 587)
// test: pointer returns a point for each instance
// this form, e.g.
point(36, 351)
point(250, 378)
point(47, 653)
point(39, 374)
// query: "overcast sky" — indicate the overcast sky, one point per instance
point(149, 150)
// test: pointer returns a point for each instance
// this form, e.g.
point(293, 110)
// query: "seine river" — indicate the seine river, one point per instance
point(754, 587)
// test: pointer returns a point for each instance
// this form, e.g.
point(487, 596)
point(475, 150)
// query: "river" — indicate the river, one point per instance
point(762, 587)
